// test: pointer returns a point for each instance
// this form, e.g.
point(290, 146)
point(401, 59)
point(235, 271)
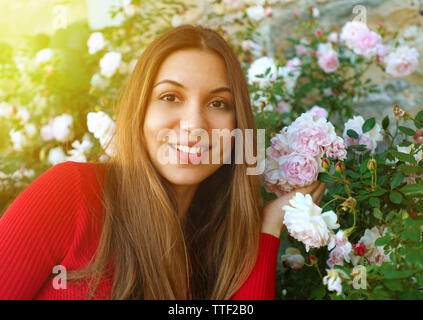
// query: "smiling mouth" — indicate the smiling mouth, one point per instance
point(190, 150)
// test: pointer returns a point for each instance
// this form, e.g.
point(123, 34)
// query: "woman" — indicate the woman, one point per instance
point(140, 228)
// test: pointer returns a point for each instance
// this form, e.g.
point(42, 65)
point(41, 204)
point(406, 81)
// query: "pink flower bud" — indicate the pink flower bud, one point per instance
point(419, 136)
point(360, 249)
point(268, 11)
point(371, 165)
point(311, 259)
point(340, 167)
point(325, 163)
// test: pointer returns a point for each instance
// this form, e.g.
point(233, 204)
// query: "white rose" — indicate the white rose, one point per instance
point(402, 62)
point(333, 280)
point(99, 82)
point(43, 56)
point(256, 12)
point(259, 67)
point(176, 20)
point(110, 63)
point(370, 138)
point(47, 132)
point(293, 258)
point(30, 129)
point(61, 128)
point(23, 114)
point(307, 224)
point(95, 42)
point(56, 155)
point(19, 139)
point(374, 254)
point(6, 110)
point(101, 126)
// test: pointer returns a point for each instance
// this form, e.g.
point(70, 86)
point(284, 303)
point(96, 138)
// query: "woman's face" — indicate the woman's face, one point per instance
point(190, 95)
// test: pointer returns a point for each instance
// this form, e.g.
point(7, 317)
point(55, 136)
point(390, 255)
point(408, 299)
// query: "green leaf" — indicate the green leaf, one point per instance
point(368, 125)
point(382, 240)
point(354, 175)
point(399, 274)
point(419, 118)
point(397, 179)
point(378, 192)
point(395, 197)
point(318, 293)
point(413, 255)
point(374, 202)
point(324, 177)
point(410, 234)
point(385, 123)
point(412, 189)
point(410, 169)
point(393, 285)
point(403, 156)
point(407, 131)
point(377, 213)
point(352, 134)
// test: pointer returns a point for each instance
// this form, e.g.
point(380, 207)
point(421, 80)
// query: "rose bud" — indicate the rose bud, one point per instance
point(371, 165)
point(325, 163)
point(360, 249)
point(312, 259)
point(340, 167)
point(419, 136)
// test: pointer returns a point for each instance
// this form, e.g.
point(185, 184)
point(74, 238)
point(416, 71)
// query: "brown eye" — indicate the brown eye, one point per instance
point(169, 97)
point(219, 104)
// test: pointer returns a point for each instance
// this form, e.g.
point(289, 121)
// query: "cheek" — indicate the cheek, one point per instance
point(223, 121)
point(153, 123)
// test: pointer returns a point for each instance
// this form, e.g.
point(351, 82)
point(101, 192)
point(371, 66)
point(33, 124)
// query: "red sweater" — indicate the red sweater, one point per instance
point(47, 225)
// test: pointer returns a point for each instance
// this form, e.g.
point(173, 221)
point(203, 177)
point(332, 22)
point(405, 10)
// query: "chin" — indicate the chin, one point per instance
point(188, 174)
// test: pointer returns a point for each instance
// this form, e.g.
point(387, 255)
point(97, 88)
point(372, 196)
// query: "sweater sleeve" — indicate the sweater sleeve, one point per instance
point(260, 285)
point(37, 229)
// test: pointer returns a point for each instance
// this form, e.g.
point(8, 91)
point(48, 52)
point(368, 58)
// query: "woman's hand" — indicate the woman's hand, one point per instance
point(273, 214)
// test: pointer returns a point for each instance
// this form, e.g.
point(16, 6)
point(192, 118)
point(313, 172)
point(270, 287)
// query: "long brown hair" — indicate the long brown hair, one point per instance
point(153, 254)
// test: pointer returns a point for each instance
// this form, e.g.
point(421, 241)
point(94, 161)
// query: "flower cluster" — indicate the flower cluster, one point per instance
point(294, 157)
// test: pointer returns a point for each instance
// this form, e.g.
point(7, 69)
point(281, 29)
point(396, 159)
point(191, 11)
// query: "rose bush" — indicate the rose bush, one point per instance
point(377, 252)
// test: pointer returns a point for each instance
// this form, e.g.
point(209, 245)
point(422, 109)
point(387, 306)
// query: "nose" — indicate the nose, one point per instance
point(193, 117)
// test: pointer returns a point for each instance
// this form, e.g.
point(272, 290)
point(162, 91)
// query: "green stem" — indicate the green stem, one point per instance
point(317, 268)
point(336, 198)
point(395, 135)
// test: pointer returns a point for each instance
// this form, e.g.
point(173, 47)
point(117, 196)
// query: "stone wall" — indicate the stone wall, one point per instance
point(401, 15)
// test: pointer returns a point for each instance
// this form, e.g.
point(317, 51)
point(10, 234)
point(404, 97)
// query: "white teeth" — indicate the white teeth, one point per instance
point(186, 149)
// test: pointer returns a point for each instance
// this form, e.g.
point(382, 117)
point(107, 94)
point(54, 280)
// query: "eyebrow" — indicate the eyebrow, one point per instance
point(220, 89)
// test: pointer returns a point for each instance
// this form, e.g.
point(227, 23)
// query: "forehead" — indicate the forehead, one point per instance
point(194, 66)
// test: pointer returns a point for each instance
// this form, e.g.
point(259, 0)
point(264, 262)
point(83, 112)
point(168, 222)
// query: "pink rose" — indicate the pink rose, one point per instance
point(318, 111)
point(351, 30)
point(279, 145)
point(402, 62)
point(299, 170)
point(327, 58)
point(300, 50)
point(366, 43)
point(337, 149)
point(328, 62)
point(308, 134)
point(283, 107)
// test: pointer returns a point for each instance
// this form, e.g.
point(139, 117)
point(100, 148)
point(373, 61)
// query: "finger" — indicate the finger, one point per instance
point(309, 188)
point(319, 192)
